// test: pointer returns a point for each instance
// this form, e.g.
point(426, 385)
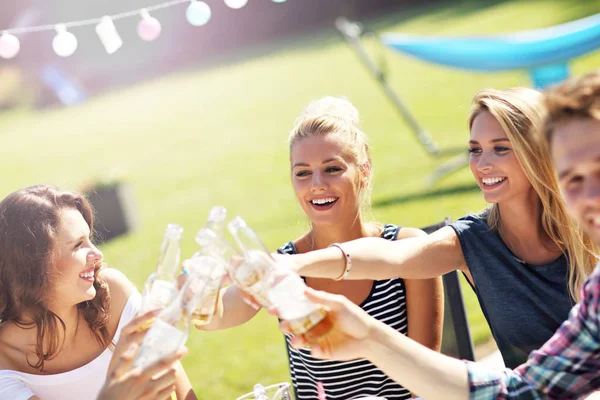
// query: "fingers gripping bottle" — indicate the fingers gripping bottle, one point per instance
point(259, 274)
point(253, 272)
point(171, 327)
point(161, 286)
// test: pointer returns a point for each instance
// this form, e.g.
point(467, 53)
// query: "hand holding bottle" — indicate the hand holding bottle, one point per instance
point(350, 332)
point(272, 285)
point(170, 330)
point(254, 271)
point(282, 267)
point(235, 263)
point(125, 382)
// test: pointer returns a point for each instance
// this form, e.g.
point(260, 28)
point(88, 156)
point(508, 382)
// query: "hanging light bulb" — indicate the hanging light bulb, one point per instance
point(235, 4)
point(107, 32)
point(64, 43)
point(198, 13)
point(149, 27)
point(9, 46)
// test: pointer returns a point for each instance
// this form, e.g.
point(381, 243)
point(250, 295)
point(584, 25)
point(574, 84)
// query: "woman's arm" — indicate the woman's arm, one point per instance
point(375, 258)
point(425, 308)
point(183, 386)
point(232, 310)
point(424, 303)
point(355, 334)
point(429, 374)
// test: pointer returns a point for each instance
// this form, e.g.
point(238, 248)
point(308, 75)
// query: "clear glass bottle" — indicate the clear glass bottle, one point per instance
point(209, 264)
point(253, 272)
point(273, 285)
point(211, 272)
point(215, 227)
point(259, 392)
point(216, 220)
point(286, 293)
point(171, 327)
point(161, 286)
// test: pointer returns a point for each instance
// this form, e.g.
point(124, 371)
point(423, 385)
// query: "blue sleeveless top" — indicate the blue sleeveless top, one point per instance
point(345, 380)
point(523, 304)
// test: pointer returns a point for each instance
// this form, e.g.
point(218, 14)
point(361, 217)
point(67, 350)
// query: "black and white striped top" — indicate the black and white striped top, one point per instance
point(358, 378)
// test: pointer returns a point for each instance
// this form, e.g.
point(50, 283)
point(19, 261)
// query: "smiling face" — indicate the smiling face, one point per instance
point(77, 259)
point(494, 163)
point(326, 182)
point(575, 150)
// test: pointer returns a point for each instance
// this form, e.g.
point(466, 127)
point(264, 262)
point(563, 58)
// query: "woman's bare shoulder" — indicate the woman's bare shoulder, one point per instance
point(11, 345)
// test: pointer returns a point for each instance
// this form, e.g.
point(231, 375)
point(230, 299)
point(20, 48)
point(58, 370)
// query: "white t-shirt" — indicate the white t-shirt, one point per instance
point(82, 383)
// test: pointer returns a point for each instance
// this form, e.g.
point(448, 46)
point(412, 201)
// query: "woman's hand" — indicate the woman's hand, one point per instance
point(281, 270)
point(132, 333)
point(234, 264)
point(123, 382)
point(288, 261)
point(350, 332)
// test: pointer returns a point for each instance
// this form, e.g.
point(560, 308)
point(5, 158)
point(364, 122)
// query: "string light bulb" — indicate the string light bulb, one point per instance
point(107, 32)
point(148, 28)
point(198, 13)
point(236, 4)
point(64, 43)
point(9, 46)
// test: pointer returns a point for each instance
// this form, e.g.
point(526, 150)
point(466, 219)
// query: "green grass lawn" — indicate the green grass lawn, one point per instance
point(218, 136)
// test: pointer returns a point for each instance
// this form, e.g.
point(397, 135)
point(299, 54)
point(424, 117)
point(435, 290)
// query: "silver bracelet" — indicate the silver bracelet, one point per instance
point(346, 258)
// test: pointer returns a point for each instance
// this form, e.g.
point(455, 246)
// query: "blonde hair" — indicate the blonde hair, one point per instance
point(335, 115)
point(520, 113)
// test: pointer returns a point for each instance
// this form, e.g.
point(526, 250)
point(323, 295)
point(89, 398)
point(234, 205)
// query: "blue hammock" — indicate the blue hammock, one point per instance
point(544, 52)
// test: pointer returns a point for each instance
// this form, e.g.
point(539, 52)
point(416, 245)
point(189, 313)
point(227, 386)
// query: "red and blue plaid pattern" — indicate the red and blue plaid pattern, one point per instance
point(566, 367)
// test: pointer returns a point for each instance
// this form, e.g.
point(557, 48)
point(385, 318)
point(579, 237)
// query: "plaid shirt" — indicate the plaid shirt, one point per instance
point(566, 367)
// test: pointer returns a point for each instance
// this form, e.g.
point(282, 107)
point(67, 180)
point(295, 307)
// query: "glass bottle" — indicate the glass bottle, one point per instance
point(253, 272)
point(209, 264)
point(171, 327)
point(211, 272)
point(273, 285)
point(161, 286)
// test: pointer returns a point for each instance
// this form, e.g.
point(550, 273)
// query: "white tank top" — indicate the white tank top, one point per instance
point(82, 383)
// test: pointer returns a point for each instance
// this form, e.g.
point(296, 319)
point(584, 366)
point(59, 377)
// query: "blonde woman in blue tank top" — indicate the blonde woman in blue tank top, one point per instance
point(331, 175)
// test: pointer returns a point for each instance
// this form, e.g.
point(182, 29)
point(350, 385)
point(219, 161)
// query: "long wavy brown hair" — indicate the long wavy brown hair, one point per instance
point(29, 220)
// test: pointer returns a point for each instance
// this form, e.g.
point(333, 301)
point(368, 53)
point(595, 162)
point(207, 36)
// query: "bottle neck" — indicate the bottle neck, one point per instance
point(168, 262)
point(217, 226)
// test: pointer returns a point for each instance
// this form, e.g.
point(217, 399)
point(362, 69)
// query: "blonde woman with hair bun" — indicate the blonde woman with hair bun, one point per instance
point(331, 172)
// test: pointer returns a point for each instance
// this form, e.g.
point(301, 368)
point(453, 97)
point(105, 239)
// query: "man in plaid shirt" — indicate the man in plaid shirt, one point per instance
point(568, 365)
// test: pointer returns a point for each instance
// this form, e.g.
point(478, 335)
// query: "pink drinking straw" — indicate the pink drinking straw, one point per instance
point(321, 391)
